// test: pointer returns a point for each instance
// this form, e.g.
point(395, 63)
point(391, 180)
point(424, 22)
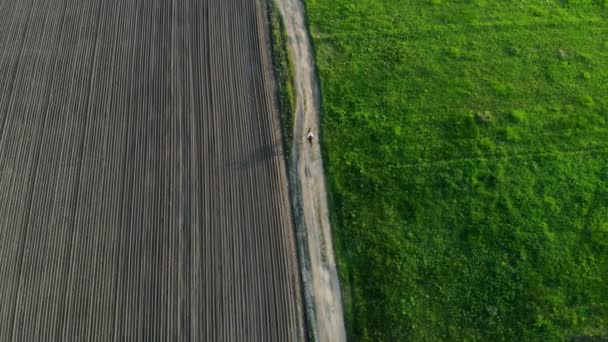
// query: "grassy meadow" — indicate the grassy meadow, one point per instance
point(466, 146)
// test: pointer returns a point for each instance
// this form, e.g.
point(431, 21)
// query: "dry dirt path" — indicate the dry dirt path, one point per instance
point(321, 282)
point(143, 192)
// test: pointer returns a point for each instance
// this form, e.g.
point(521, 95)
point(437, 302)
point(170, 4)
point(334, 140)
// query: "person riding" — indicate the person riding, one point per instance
point(309, 136)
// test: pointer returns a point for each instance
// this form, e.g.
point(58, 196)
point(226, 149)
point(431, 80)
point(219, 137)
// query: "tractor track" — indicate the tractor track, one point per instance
point(143, 189)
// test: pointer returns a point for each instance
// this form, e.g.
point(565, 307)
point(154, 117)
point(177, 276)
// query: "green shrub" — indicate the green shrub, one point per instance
point(586, 101)
point(518, 115)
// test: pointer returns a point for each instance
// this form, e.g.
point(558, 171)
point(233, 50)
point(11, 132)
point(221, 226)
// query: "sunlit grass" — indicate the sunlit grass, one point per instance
point(467, 153)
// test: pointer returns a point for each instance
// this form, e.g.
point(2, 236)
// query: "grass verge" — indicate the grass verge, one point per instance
point(284, 72)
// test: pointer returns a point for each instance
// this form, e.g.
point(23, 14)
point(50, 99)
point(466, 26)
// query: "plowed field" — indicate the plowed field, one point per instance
point(143, 193)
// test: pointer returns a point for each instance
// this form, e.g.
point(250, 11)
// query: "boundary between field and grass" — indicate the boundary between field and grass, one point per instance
point(284, 73)
point(300, 105)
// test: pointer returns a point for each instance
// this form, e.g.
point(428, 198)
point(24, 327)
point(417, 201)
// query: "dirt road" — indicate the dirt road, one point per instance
point(143, 192)
point(321, 282)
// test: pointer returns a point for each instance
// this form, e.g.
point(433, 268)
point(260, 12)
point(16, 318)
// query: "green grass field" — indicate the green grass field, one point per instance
point(466, 144)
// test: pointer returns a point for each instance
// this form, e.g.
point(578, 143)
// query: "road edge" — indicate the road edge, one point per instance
point(320, 281)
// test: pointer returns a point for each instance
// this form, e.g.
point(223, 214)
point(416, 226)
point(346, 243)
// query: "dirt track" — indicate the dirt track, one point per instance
point(322, 291)
point(142, 184)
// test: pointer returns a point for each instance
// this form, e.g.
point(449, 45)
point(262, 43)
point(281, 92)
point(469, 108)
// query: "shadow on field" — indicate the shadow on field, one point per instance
point(258, 156)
